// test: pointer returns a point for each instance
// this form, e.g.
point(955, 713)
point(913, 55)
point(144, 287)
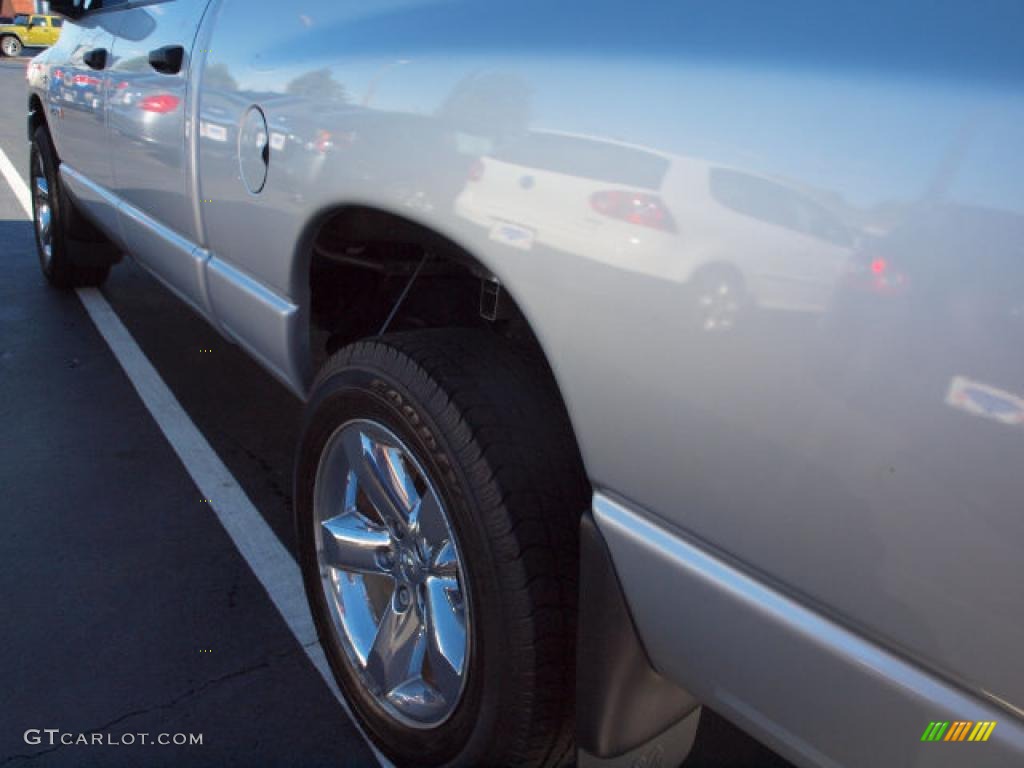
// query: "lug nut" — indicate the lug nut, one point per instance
point(403, 597)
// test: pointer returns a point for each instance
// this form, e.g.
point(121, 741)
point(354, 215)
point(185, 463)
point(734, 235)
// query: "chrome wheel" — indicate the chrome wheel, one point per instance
point(43, 212)
point(11, 46)
point(718, 304)
point(391, 573)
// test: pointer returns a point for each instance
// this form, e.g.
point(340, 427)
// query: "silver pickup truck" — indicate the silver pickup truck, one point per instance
point(655, 354)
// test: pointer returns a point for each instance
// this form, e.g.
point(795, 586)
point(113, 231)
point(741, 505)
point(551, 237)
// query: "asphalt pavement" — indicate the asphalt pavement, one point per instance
point(127, 608)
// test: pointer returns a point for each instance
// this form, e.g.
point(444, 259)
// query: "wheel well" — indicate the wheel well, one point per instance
point(36, 116)
point(364, 260)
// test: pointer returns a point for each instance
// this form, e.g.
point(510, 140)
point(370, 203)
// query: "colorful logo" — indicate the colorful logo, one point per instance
point(958, 730)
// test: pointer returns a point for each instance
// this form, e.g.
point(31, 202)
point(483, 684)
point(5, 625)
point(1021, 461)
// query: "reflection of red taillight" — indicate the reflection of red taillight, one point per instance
point(324, 141)
point(635, 207)
point(877, 275)
point(161, 103)
point(476, 171)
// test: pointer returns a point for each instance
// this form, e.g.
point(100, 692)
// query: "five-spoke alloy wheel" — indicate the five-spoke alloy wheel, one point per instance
point(43, 213)
point(718, 300)
point(391, 573)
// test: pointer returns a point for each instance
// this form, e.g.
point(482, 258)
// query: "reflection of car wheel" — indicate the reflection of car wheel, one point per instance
point(10, 45)
point(438, 492)
point(54, 217)
point(719, 299)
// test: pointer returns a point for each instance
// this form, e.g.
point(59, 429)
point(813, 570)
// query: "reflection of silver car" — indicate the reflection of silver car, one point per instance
point(540, 519)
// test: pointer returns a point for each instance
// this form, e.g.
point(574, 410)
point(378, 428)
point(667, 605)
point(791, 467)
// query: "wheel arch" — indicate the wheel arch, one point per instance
point(386, 231)
point(36, 115)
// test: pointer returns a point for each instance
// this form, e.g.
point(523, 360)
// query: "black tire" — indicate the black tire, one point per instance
point(486, 422)
point(63, 269)
point(10, 46)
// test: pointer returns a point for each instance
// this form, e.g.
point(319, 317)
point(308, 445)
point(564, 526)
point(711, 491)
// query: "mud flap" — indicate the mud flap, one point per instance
point(627, 715)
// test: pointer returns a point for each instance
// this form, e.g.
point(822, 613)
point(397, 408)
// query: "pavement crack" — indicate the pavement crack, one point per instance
point(190, 693)
point(267, 470)
point(28, 757)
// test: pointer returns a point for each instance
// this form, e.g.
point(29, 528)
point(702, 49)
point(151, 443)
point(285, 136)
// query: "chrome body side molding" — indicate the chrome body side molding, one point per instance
point(267, 325)
point(763, 659)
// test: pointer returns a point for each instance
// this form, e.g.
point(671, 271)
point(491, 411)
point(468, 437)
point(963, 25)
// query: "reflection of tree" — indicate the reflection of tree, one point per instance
point(488, 104)
point(318, 84)
point(134, 64)
point(218, 76)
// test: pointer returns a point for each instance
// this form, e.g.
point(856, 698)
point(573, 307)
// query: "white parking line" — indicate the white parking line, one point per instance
point(273, 565)
point(18, 185)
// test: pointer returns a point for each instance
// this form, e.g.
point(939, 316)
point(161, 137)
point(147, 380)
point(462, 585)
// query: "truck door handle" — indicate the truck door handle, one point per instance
point(96, 58)
point(167, 59)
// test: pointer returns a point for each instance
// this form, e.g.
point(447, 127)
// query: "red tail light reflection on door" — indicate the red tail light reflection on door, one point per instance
point(161, 103)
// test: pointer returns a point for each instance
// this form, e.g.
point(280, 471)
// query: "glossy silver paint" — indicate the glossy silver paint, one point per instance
point(73, 95)
point(854, 442)
point(146, 114)
point(804, 675)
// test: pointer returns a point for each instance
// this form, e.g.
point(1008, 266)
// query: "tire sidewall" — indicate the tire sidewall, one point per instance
point(42, 152)
point(361, 392)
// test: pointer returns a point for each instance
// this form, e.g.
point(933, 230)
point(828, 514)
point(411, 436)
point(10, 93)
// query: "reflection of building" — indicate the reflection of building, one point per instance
point(12, 7)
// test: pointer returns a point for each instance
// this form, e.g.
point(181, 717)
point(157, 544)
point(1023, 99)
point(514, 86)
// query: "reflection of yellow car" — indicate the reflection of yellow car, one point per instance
point(29, 30)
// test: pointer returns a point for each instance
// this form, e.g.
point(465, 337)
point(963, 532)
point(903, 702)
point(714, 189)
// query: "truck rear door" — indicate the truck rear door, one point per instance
point(149, 116)
point(76, 106)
